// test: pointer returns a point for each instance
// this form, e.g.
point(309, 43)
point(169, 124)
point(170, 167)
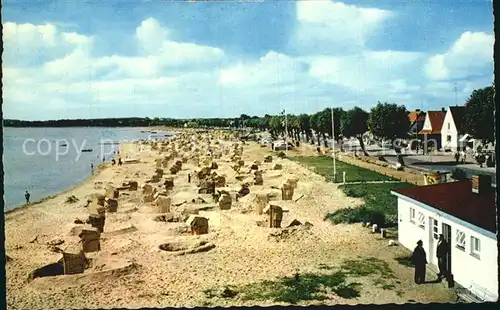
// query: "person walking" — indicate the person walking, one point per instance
point(441, 252)
point(419, 260)
point(27, 196)
point(92, 168)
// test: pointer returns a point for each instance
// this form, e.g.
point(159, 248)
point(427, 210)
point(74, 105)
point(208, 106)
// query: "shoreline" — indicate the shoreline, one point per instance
point(100, 168)
point(97, 170)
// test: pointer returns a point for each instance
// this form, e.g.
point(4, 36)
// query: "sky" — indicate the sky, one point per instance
point(189, 59)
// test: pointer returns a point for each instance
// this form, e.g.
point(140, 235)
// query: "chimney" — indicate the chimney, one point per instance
point(481, 184)
point(443, 110)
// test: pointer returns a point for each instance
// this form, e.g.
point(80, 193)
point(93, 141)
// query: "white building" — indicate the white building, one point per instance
point(467, 219)
point(453, 128)
point(431, 129)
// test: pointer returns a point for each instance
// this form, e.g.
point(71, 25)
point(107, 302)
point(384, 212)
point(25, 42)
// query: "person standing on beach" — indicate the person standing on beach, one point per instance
point(92, 168)
point(419, 260)
point(27, 196)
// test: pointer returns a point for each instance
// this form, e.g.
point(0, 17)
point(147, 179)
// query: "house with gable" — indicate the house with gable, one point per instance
point(431, 129)
point(465, 213)
point(453, 130)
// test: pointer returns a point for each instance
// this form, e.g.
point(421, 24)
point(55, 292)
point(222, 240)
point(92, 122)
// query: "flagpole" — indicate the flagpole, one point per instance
point(333, 149)
point(286, 134)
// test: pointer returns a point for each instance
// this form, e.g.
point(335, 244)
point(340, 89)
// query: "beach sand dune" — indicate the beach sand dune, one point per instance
point(132, 270)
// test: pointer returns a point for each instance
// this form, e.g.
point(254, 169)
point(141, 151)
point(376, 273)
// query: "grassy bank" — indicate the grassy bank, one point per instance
point(323, 165)
point(329, 280)
point(380, 207)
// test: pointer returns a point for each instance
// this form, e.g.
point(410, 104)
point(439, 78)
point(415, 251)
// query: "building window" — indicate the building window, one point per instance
point(475, 246)
point(448, 126)
point(421, 220)
point(435, 229)
point(448, 138)
point(460, 240)
point(412, 215)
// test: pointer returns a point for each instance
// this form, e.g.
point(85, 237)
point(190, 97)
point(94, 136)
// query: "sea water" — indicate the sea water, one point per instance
point(35, 160)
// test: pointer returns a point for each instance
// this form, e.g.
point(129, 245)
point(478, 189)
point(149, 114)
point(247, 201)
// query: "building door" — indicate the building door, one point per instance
point(433, 240)
point(447, 236)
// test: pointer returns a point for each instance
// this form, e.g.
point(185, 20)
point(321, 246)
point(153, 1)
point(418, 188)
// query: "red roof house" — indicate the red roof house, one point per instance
point(465, 213)
point(457, 200)
point(433, 122)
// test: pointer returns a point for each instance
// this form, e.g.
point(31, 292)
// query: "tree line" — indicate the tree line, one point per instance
point(384, 121)
point(101, 122)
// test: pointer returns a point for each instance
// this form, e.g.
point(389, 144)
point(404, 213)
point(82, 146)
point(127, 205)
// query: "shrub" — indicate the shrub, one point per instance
point(360, 214)
point(381, 158)
point(391, 219)
point(355, 192)
point(377, 217)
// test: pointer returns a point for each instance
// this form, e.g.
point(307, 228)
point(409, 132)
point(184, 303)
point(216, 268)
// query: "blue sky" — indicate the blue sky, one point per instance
point(72, 59)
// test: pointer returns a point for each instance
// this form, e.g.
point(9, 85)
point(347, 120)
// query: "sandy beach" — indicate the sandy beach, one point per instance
point(131, 270)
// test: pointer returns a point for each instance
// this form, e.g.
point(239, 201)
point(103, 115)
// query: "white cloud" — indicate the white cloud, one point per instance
point(28, 44)
point(153, 40)
point(67, 75)
point(334, 27)
point(27, 35)
point(150, 35)
point(184, 79)
point(366, 71)
point(470, 54)
point(271, 69)
point(175, 53)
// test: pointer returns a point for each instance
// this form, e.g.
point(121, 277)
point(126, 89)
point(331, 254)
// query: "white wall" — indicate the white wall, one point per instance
point(453, 144)
point(464, 267)
point(427, 123)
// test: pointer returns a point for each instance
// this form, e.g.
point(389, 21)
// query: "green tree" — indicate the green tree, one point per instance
point(294, 125)
point(314, 122)
point(244, 117)
point(388, 121)
point(337, 118)
point(480, 114)
point(305, 125)
point(276, 125)
point(354, 123)
point(324, 124)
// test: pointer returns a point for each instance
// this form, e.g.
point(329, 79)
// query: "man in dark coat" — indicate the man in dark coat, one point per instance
point(442, 250)
point(419, 260)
